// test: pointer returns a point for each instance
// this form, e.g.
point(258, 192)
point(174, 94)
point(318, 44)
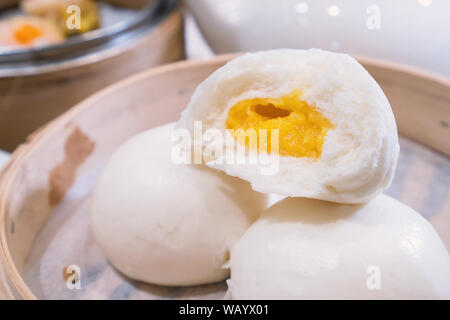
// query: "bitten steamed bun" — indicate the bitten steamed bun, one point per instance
point(169, 224)
point(310, 249)
point(337, 133)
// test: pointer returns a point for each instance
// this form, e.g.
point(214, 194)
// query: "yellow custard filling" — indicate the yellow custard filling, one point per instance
point(302, 128)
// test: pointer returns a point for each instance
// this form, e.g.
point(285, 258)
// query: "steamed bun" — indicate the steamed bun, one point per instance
point(310, 249)
point(337, 133)
point(27, 32)
point(165, 223)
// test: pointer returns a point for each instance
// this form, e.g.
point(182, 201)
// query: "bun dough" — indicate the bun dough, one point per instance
point(338, 137)
point(309, 249)
point(169, 224)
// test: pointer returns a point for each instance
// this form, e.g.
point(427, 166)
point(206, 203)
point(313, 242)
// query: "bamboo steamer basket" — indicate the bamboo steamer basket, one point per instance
point(38, 85)
point(41, 173)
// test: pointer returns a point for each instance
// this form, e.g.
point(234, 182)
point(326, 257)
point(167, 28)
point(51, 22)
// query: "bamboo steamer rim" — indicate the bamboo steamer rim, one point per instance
point(119, 40)
point(8, 174)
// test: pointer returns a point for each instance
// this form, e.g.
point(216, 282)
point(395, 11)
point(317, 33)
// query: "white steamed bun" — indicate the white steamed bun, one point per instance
point(338, 137)
point(169, 224)
point(310, 249)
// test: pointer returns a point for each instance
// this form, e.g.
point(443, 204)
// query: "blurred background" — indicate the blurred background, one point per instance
point(55, 53)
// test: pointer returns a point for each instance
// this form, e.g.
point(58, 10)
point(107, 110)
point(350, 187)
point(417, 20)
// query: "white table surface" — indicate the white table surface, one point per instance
point(4, 157)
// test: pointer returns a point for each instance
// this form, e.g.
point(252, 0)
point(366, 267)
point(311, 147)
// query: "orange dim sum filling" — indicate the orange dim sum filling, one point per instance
point(27, 33)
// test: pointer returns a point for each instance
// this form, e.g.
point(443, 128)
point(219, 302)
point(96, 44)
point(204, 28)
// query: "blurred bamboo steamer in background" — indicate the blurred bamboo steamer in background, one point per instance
point(38, 85)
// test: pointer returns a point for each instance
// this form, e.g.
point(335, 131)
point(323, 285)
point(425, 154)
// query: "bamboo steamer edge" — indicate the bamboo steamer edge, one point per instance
point(420, 101)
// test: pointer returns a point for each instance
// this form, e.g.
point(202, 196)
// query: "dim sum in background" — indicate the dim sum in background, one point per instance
point(337, 133)
point(382, 29)
point(26, 32)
